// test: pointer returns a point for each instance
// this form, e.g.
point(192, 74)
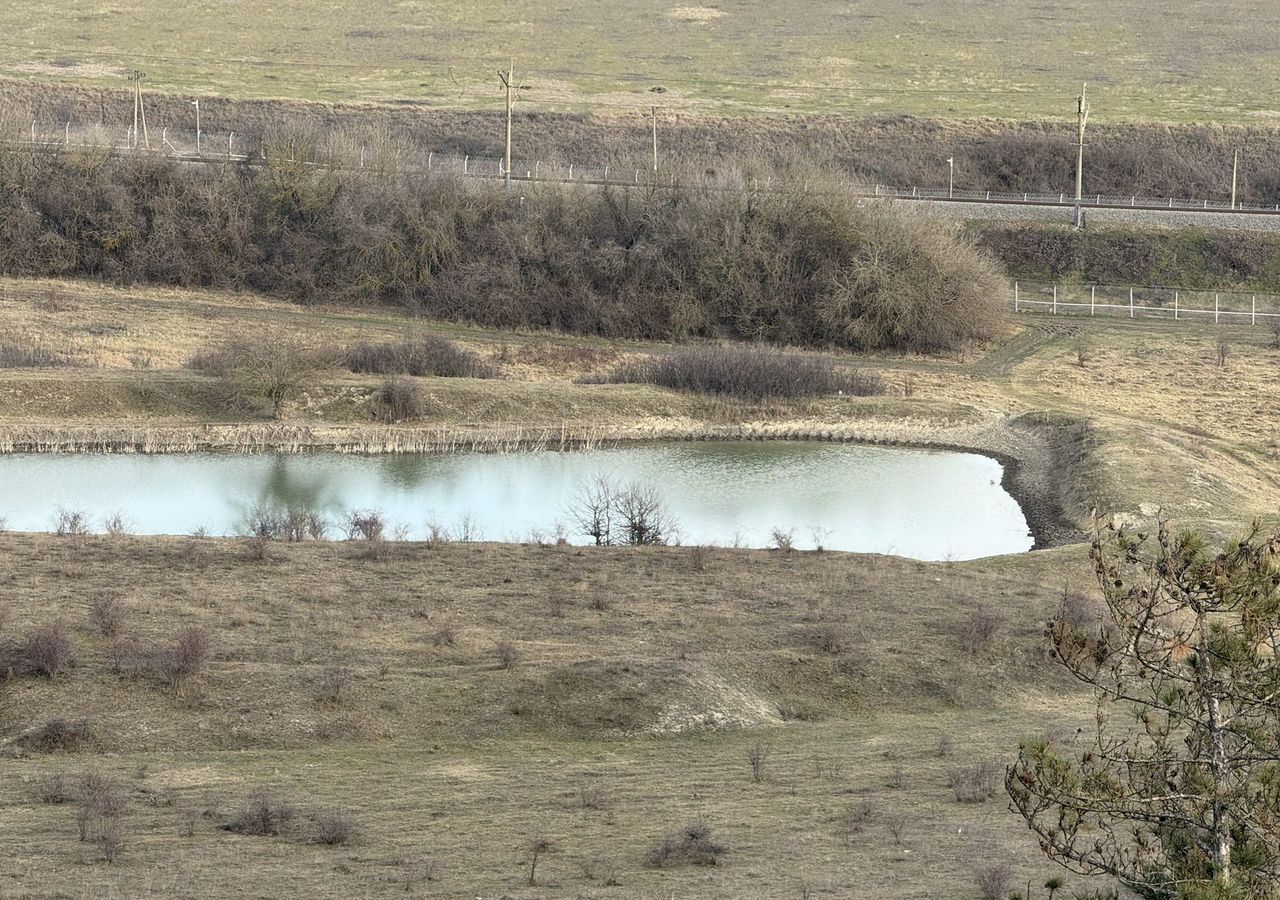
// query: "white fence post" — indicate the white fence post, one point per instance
point(571, 171)
point(66, 130)
point(430, 159)
point(465, 159)
point(1253, 320)
point(1130, 303)
point(1055, 299)
point(1015, 296)
point(1093, 298)
point(1175, 306)
point(1215, 309)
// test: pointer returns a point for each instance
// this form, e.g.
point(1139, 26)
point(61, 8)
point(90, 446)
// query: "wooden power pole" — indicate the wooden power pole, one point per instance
point(654, 111)
point(139, 111)
point(507, 82)
point(1083, 115)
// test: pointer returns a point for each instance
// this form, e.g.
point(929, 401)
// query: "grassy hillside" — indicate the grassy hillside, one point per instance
point(640, 682)
point(1200, 61)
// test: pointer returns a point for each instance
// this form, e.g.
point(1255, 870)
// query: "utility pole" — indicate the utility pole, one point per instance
point(196, 104)
point(136, 77)
point(1235, 175)
point(507, 82)
point(654, 111)
point(1083, 114)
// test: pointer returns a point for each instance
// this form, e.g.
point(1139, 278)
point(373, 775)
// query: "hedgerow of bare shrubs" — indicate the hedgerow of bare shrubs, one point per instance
point(424, 354)
point(263, 814)
point(747, 373)
point(16, 355)
point(794, 265)
point(691, 846)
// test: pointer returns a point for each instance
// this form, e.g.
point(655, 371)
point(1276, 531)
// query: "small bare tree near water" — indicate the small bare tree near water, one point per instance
point(610, 514)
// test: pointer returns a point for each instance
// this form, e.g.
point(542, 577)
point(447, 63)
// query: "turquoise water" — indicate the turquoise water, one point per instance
point(916, 503)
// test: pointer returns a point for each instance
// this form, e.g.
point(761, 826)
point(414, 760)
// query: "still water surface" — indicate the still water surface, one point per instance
point(917, 503)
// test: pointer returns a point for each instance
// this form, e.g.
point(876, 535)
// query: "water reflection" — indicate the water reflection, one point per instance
point(924, 504)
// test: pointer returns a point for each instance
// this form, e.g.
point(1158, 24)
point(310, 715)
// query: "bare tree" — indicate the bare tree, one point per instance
point(611, 514)
point(1183, 797)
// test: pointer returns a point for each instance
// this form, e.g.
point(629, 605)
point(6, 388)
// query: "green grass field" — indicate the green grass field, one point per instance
point(1162, 61)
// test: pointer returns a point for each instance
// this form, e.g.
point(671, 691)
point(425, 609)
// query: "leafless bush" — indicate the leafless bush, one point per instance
point(47, 650)
point(335, 683)
point(257, 547)
point(974, 783)
point(445, 636)
point(946, 746)
point(334, 827)
point(1274, 326)
point(187, 657)
point(70, 522)
point(602, 872)
point(369, 530)
point(692, 845)
point(109, 836)
point(592, 796)
point(994, 880)
point(16, 355)
point(399, 399)
point(783, 540)
point(101, 802)
point(116, 525)
point(263, 814)
point(610, 514)
point(539, 847)
point(748, 373)
point(831, 638)
point(266, 369)
point(56, 735)
point(1079, 612)
point(979, 631)
point(853, 820)
point(507, 654)
point(426, 870)
point(757, 755)
point(425, 354)
point(106, 615)
point(897, 825)
point(53, 788)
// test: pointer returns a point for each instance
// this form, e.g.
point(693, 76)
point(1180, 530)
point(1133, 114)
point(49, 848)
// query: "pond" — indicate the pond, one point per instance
point(923, 504)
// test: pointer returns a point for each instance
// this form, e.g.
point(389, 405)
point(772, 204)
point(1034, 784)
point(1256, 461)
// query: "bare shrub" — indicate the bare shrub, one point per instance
point(334, 827)
point(106, 615)
point(994, 880)
point(831, 638)
point(602, 872)
point(974, 783)
point(592, 796)
point(757, 755)
point(1222, 350)
point(610, 514)
point(427, 870)
point(257, 547)
point(692, 845)
point(53, 789)
point(109, 837)
point(507, 654)
point(116, 525)
point(369, 530)
point(70, 522)
point(262, 814)
point(101, 802)
point(266, 369)
point(854, 820)
point(783, 540)
point(897, 825)
point(1274, 327)
point(47, 650)
point(399, 399)
point(1079, 612)
point(335, 682)
point(979, 631)
point(187, 657)
point(539, 847)
point(56, 735)
point(445, 636)
point(18, 355)
point(424, 354)
point(748, 373)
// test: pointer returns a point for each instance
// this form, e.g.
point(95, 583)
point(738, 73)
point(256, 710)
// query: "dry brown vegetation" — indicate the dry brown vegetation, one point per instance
point(794, 264)
point(430, 755)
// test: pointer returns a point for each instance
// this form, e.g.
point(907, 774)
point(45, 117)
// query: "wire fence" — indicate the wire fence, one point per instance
point(346, 153)
point(1123, 301)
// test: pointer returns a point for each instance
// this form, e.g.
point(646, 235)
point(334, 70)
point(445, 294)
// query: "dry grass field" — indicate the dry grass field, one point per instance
point(1198, 61)
point(458, 702)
